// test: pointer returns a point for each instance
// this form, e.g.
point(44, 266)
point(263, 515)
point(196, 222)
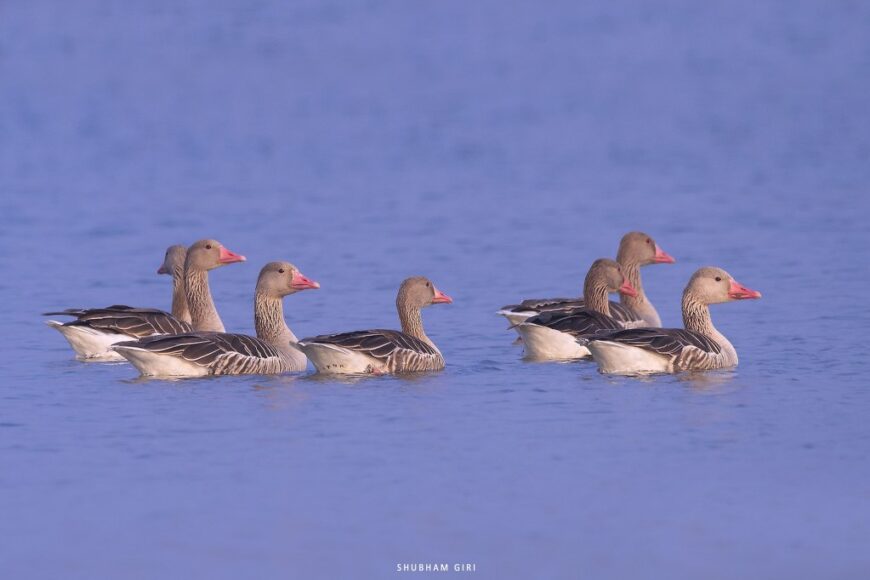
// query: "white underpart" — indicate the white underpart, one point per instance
point(516, 317)
point(90, 344)
point(152, 364)
point(332, 359)
point(544, 343)
point(622, 359)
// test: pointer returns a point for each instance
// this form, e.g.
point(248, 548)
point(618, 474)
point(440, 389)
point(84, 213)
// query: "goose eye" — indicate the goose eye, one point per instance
point(281, 271)
point(718, 278)
point(428, 285)
point(208, 246)
point(649, 241)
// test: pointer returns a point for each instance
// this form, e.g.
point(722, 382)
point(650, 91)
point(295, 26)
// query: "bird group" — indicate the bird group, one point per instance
point(191, 341)
point(625, 337)
point(622, 337)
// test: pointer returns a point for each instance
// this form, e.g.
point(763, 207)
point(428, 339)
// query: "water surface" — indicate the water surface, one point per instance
point(498, 151)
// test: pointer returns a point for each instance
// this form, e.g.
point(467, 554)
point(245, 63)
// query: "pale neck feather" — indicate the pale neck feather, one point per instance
point(272, 328)
point(639, 303)
point(412, 320)
point(203, 314)
point(696, 317)
point(595, 296)
point(180, 309)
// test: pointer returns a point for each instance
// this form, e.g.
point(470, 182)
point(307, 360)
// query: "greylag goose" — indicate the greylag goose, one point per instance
point(384, 351)
point(697, 347)
point(95, 330)
point(552, 335)
point(196, 354)
point(636, 249)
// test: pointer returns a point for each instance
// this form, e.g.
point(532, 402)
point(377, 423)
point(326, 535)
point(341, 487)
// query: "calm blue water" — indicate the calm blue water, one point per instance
point(498, 150)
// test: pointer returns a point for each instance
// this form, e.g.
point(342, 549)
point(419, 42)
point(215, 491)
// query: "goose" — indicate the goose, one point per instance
point(552, 335)
point(383, 351)
point(196, 354)
point(697, 347)
point(95, 330)
point(636, 249)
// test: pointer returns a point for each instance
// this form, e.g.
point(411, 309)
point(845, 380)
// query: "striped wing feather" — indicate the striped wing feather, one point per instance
point(618, 311)
point(577, 322)
point(664, 341)
point(396, 350)
point(129, 321)
point(222, 353)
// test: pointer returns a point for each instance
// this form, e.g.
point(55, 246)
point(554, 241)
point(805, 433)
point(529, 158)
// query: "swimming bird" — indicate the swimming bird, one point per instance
point(552, 335)
point(384, 351)
point(636, 249)
point(698, 346)
point(95, 330)
point(195, 354)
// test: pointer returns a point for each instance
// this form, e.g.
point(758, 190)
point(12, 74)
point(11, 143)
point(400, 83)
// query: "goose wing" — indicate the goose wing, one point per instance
point(618, 311)
point(126, 320)
point(578, 322)
point(220, 352)
point(396, 350)
point(668, 342)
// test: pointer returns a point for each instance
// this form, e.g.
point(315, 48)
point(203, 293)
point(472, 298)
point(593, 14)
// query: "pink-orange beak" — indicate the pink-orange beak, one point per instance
point(740, 292)
point(228, 257)
point(627, 288)
point(162, 269)
point(301, 282)
point(662, 257)
point(441, 297)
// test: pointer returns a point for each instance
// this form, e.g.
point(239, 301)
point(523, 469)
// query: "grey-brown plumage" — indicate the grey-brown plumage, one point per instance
point(618, 311)
point(578, 322)
point(556, 335)
point(141, 322)
point(394, 350)
point(636, 250)
point(220, 353)
point(699, 346)
point(664, 341)
point(173, 265)
point(381, 351)
point(94, 330)
point(126, 320)
point(202, 257)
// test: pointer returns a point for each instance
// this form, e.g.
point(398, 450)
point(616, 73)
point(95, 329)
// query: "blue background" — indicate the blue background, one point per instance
point(497, 148)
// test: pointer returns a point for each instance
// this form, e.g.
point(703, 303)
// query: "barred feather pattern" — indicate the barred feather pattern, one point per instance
point(578, 323)
point(126, 320)
point(686, 350)
point(619, 312)
point(220, 353)
point(396, 351)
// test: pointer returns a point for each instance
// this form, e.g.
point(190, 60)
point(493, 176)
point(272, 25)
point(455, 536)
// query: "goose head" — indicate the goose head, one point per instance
point(715, 286)
point(173, 261)
point(279, 279)
point(640, 248)
point(210, 254)
point(606, 273)
point(420, 292)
